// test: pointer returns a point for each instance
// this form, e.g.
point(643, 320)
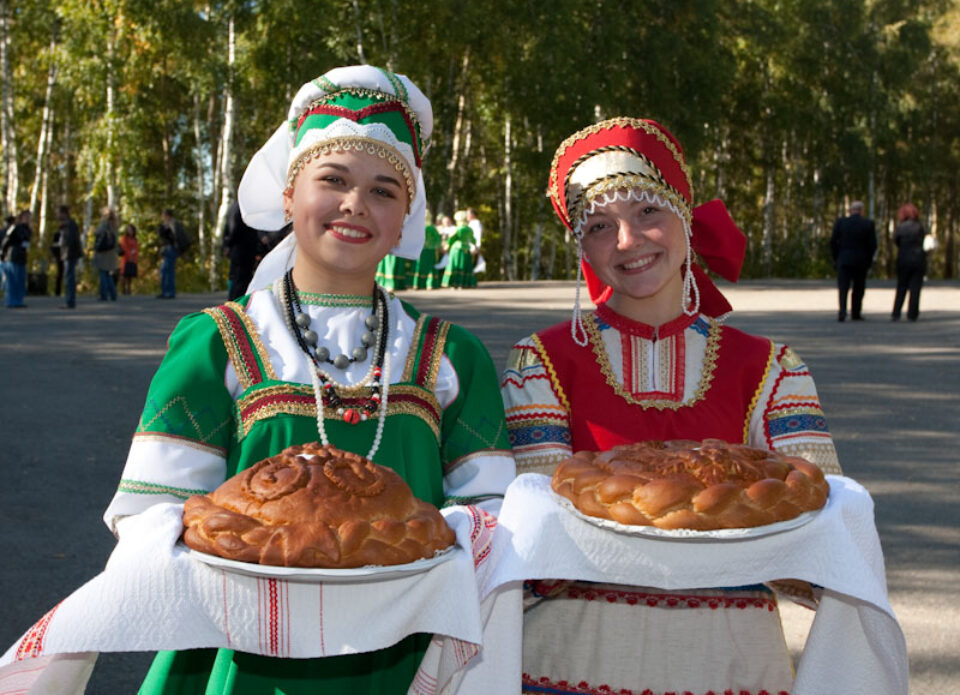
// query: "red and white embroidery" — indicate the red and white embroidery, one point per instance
point(31, 646)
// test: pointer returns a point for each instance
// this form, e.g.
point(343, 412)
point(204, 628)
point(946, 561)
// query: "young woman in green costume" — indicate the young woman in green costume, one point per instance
point(317, 351)
point(462, 243)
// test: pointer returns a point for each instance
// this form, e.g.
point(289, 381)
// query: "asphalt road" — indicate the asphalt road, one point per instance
point(72, 385)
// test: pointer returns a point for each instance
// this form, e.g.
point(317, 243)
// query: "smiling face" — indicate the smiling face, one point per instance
point(638, 248)
point(347, 210)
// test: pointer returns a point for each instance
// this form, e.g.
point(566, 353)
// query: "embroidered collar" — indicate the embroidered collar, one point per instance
point(643, 330)
point(364, 301)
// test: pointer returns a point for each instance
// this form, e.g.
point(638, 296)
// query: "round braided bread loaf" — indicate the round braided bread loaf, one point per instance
point(315, 506)
point(691, 485)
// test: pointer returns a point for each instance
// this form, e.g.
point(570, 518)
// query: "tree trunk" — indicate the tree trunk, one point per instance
point(358, 25)
point(11, 178)
point(44, 139)
point(198, 154)
point(506, 222)
point(44, 193)
point(768, 221)
point(111, 115)
point(452, 164)
point(226, 180)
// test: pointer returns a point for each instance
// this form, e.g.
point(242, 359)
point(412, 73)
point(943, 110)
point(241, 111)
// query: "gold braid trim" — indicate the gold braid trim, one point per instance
point(476, 454)
point(554, 190)
point(759, 390)
point(652, 180)
point(232, 342)
point(706, 377)
point(436, 356)
point(554, 379)
point(308, 408)
point(412, 353)
point(357, 143)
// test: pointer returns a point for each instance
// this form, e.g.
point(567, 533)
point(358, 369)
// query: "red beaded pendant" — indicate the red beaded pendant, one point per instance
point(351, 416)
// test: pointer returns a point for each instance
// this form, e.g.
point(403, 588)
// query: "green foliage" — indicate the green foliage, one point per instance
point(787, 109)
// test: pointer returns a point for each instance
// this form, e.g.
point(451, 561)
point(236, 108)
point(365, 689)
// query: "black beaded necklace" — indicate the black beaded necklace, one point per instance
point(376, 323)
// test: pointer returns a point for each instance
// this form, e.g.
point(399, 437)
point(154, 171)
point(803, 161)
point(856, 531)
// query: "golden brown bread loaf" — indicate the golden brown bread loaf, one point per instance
point(691, 485)
point(315, 506)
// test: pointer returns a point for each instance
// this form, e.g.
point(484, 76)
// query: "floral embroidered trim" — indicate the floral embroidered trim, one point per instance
point(242, 345)
point(554, 379)
point(142, 487)
point(542, 684)
point(757, 392)
point(31, 645)
point(706, 377)
point(289, 399)
point(433, 344)
point(713, 601)
point(430, 336)
point(335, 300)
point(357, 143)
point(540, 464)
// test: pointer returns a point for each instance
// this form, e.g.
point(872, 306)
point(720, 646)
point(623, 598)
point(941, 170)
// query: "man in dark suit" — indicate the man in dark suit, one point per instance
point(852, 245)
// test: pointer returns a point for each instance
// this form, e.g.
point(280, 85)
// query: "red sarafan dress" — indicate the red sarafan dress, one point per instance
point(692, 378)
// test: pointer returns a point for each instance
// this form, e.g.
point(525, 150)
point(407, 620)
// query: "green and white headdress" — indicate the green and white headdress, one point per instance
point(361, 108)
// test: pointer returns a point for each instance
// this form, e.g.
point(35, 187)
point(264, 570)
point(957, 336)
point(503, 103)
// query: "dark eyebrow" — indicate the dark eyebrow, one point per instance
point(389, 179)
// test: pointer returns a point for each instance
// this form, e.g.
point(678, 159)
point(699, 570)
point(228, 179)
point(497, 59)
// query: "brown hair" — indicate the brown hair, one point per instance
point(908, 211)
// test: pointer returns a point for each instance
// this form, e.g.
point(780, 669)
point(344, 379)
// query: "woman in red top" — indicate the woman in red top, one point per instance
point(131, 256)
point(654, 361)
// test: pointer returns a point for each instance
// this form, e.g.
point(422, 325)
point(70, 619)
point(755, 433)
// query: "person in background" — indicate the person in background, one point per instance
point(13, 251)
point(852, 245)
point(105, 254)
point(425, 276)
point(8, 224)
point(130, 256)
point(170, 231)
point(240, 247)
point(477, 226)
point(911, 261)
point(459, 270)
point(56, 253)
point(71, 251)
point(653, 362)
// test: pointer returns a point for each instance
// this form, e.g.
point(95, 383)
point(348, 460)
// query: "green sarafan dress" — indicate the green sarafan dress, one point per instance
point(425, 274)
point(233, 389)
point(393, 272)
point(459, 270)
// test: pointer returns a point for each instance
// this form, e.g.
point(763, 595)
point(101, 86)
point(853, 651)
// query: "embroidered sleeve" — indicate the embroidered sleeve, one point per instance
point(478, 462)
point(788, 416)
point(186, 428)
point(538, 416)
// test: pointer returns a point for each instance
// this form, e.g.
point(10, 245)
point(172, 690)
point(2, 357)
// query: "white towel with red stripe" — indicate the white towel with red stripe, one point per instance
point(154, 595)
point(855, 644)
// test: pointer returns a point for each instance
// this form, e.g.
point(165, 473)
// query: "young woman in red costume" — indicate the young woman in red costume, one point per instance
point(653, 361)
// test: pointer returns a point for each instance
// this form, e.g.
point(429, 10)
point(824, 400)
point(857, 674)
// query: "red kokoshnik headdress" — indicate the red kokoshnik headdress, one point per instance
point(638, 154)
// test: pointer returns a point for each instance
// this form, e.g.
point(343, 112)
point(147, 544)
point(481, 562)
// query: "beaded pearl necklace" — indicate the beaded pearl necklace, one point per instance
point(326, 389)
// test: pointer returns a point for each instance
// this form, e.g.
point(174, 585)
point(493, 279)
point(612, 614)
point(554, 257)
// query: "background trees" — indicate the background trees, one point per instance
point(787, 108)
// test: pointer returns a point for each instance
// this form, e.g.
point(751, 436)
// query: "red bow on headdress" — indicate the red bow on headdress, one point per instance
point(717, 240)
